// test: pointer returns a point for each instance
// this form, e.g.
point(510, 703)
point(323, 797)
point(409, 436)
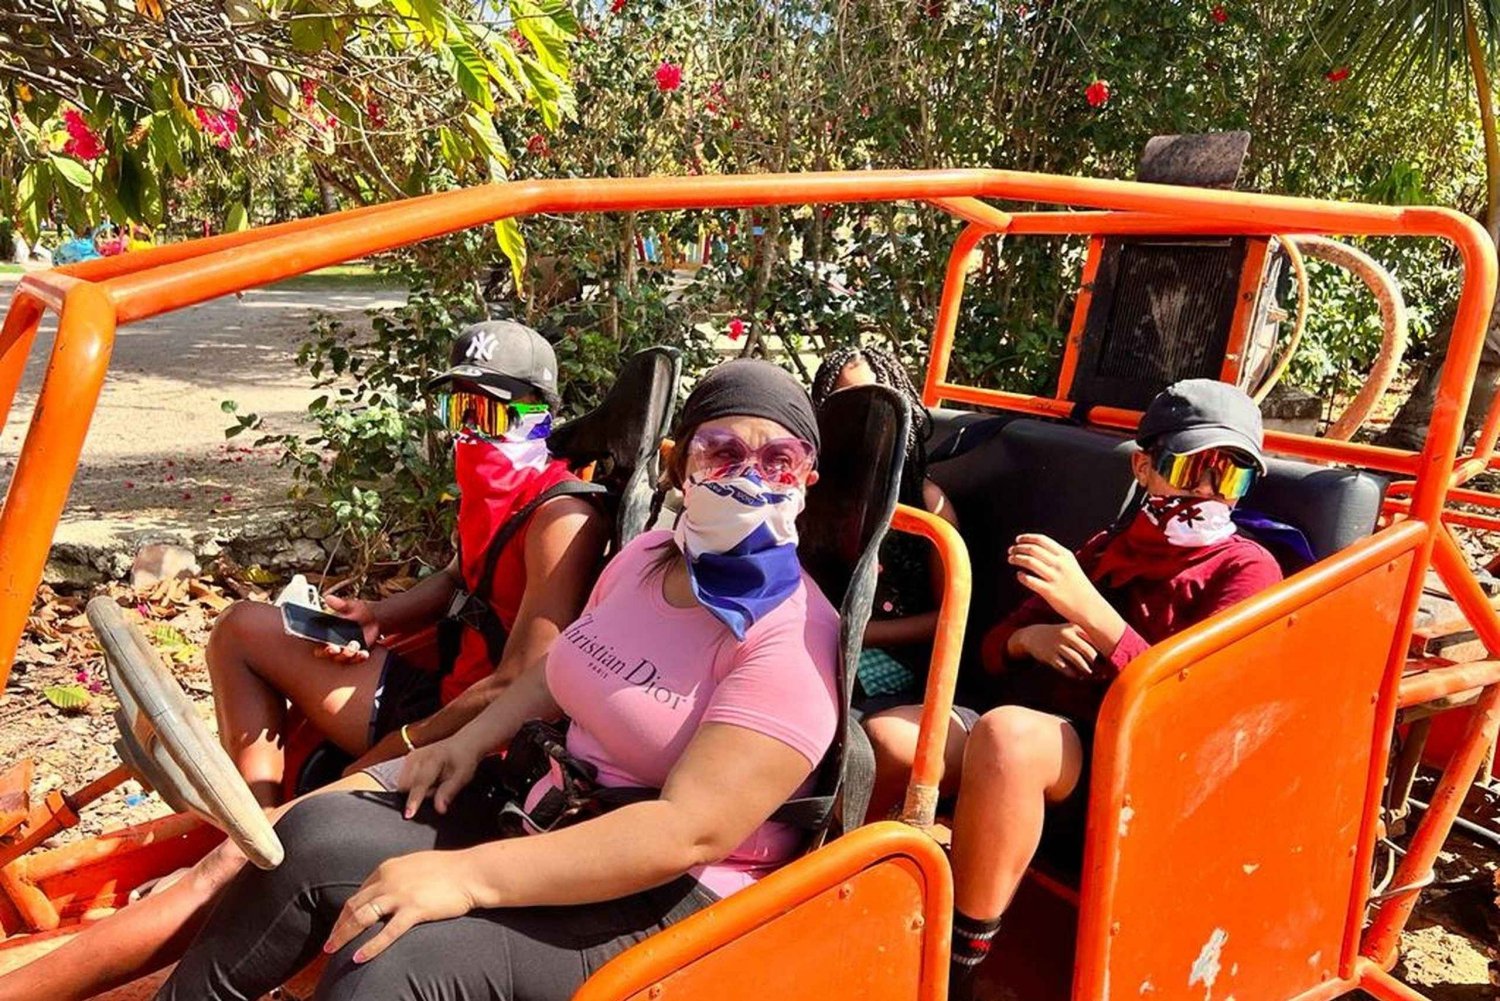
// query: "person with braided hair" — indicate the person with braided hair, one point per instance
point(898, 640)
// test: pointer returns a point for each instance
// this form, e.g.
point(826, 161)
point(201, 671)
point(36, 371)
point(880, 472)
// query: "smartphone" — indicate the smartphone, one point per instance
point(320, 627)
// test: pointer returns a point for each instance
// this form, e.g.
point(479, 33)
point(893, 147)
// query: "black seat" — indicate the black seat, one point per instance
point(1069, 482)
point(620, 436)
point(840, 532)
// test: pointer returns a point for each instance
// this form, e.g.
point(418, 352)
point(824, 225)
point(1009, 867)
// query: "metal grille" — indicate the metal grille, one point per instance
point(1161, 312)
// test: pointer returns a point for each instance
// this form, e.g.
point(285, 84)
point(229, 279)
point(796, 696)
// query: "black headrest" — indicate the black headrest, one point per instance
point(859, 472)
point(622, 434)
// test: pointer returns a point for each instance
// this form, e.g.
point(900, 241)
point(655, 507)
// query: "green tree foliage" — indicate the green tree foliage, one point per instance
point(110, 103)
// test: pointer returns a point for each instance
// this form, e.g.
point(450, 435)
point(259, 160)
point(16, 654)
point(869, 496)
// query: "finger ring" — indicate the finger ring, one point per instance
point(376, 908)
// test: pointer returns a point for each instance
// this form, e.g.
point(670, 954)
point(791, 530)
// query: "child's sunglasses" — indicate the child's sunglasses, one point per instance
point(1229, 472)
point(481, 413)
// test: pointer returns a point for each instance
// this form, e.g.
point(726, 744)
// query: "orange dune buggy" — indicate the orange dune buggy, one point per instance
point(1238, 788)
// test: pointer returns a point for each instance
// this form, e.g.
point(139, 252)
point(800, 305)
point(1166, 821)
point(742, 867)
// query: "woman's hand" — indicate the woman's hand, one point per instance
point(442, 769)
point(356, 610)
point(1065, 648)
point(403, 892)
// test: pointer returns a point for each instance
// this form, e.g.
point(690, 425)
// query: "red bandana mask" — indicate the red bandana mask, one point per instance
point(1151, 547)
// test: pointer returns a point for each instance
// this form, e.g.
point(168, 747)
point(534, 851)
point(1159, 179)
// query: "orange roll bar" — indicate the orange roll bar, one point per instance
point(920, 807)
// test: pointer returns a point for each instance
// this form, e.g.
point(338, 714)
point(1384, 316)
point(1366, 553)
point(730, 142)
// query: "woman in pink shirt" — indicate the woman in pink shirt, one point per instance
point(702, 674)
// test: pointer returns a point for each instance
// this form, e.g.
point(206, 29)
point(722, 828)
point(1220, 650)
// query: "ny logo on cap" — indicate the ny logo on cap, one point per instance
point(482, 346)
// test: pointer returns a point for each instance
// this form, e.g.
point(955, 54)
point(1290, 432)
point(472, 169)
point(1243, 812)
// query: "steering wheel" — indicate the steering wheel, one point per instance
point(166, 745)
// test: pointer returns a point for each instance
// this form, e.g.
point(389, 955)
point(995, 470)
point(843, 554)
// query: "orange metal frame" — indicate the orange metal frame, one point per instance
point(1197, 736)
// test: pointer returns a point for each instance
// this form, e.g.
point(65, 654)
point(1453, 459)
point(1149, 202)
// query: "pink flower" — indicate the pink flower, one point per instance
point(736, 329)
point(83, 142)
point(1219, 14)
point(1097, 94)
point(81, 676)
point(1338, 75)
point(95, 687)
point(129, 485)
point(227, 498)
point(668, 76)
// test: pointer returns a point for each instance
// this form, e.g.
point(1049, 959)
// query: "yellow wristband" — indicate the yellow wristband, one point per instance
point(406, 738)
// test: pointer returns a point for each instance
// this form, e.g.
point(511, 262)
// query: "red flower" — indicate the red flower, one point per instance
point(736, 329)
point(220, 125)
point(376, 113)
point(83, 142)
point(537, 145)
point(617, 6)
point(1219, 14)
point(1338, 74)
point(668, 76)
point(309, 92)
point(1097, 94)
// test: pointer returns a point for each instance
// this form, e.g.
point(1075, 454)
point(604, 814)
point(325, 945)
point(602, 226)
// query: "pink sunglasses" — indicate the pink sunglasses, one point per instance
point(780, 460)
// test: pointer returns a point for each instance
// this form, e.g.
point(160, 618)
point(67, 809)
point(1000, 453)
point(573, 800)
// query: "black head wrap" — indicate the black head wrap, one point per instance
point(748, 387)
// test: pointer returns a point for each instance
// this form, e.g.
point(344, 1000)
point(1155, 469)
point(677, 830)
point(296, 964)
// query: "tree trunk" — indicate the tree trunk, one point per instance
point(1409, 428)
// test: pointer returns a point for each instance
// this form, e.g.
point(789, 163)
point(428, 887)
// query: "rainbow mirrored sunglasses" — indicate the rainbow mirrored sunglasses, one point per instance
point(482, 413)
point(1231, 473)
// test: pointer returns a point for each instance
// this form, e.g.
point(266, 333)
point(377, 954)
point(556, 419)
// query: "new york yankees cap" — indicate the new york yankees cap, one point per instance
point(504, 358)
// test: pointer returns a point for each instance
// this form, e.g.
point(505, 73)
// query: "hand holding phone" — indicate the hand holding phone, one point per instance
point(340, 637)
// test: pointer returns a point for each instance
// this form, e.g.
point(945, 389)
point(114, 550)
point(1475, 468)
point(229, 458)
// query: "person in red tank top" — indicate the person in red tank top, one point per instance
point(374, 703)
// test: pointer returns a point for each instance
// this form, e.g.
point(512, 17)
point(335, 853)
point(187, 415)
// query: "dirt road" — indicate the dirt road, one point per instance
point(156, 461)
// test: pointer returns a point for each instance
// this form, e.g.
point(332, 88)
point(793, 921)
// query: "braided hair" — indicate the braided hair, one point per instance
point(891, 373)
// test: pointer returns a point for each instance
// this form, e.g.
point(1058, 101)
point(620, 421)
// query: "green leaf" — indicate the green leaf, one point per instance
point(473, 73)
point(237, 218)
point(481, 128)
point(75, 173)
point(513, 245)
point(68, 698)
point(547, 40)
point(308, 33)
point(164, 142)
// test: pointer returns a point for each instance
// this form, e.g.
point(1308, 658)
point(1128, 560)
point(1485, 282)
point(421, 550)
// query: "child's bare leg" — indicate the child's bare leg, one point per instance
point(257, 669)
point(145, 936)
point(1017, 760)
point(893, 735)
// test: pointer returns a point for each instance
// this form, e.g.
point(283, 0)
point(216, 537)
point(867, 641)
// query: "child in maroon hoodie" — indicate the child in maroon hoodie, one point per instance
point(1176, 561)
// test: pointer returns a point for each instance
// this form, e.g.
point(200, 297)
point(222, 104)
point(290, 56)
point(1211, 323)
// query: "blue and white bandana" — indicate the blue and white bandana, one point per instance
point(739, 535)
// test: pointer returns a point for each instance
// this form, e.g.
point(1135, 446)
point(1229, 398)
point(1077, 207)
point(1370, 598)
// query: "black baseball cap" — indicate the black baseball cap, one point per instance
point(505, 359)
point(1193, 415)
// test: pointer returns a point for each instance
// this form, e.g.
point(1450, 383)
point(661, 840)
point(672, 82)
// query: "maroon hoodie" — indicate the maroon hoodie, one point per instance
point(1158, 588)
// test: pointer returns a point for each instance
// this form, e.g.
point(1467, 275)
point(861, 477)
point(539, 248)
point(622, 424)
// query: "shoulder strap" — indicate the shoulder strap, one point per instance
point(564, 488)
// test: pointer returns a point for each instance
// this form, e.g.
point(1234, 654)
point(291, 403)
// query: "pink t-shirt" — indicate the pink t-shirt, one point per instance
point(637, 677)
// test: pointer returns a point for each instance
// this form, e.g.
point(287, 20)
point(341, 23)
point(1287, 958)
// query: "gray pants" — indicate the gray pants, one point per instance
point(268, 925)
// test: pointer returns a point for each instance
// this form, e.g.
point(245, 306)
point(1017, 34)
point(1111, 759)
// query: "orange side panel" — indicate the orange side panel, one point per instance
point(864, 917)
point(1232, 769)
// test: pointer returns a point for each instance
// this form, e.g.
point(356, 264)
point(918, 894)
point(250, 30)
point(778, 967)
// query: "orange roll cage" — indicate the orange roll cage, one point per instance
point(1200, 738)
